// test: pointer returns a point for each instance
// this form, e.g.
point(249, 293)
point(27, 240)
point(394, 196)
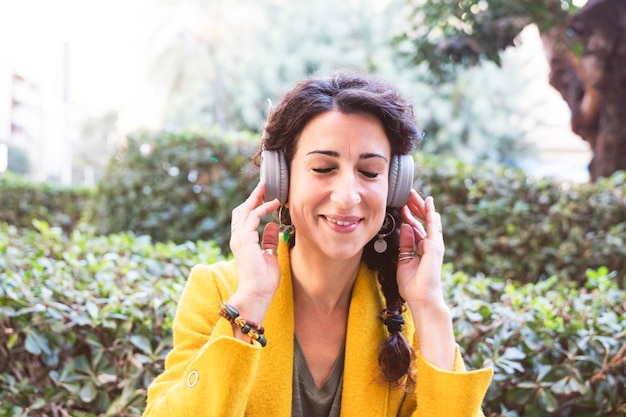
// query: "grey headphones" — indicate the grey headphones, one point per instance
point(275, 175)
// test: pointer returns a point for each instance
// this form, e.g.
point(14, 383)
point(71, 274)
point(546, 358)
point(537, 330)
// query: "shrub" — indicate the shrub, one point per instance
point(86, 324)
point(86, 321)
point(556, 350)
point(501, 222)
point(24, 201)
point(177, 186)
point(498, 221)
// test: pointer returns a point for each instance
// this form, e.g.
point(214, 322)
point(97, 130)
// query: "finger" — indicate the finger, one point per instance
point(257, 194)
point(248, 215)
point(407, 244)
point(239, 213)
point(254, 200)
point(407, 238)
point(269, 243)
point(416, 205)
point(417, 227)
point(434, 228)
point(261, 211)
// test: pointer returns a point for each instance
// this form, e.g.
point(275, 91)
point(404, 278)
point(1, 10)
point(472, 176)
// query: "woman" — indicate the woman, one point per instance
point(339, 310)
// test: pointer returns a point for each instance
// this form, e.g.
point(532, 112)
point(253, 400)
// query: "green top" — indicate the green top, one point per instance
point(307, 399)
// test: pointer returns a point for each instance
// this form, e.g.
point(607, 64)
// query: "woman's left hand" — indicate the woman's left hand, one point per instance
point(419, 280)
point(419, 277)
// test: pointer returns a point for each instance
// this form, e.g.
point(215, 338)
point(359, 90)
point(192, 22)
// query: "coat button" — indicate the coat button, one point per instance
point(192, 379)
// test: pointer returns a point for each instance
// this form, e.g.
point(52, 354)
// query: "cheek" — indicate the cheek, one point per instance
point(297, 190)
point(378, 202)
point(379, 191)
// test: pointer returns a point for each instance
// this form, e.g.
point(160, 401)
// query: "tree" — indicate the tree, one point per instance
point(98, 140)
point(585, 47)
point(214, 62)
point(220, 61)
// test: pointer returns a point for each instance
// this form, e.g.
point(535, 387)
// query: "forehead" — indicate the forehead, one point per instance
point(347, 132)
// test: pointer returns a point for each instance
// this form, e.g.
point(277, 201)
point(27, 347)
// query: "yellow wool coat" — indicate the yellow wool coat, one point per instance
point(210, 373)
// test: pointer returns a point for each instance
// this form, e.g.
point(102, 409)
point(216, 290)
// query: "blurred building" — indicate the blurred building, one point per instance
point(35, 108)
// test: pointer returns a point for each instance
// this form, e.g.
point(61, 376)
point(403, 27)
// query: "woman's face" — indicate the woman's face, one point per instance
point(338, 184)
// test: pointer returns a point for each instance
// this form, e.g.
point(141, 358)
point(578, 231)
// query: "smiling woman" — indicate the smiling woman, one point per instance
point(340, 309)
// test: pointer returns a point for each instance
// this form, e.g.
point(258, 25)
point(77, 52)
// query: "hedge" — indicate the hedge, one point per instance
point(86, 320)
point(497, 220)
point(182, 186)
point(501, 222)
point(176, 186)
point(557, 350)
point(23, 201)
point(86, 324)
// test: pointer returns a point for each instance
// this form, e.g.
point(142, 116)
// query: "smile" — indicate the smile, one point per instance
point(340, 222)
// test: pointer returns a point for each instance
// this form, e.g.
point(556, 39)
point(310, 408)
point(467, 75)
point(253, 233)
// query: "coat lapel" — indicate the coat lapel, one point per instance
point(271, 395)
point(364, 393)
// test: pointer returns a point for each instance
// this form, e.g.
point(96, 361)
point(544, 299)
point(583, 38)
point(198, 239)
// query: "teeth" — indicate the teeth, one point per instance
point(339, 223)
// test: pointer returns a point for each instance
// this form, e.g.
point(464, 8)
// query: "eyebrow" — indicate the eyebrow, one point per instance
point(334, 154)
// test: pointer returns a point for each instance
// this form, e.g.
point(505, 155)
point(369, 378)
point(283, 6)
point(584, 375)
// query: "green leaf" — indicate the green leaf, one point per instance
point(12, 340)
point(88, 391)
point(142, 343)
point(549, 401)
point(104, 379)
point(36, 343)
point(92, 309)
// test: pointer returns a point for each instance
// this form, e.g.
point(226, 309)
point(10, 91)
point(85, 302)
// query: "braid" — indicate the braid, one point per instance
point(396, 355)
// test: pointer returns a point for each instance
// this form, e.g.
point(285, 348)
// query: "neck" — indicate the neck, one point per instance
point(322, 284)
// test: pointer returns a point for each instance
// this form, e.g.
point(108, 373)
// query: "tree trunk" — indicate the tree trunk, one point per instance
point(594, 85)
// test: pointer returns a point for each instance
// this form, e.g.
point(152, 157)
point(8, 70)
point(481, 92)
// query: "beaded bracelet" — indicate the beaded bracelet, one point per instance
point(250, 328)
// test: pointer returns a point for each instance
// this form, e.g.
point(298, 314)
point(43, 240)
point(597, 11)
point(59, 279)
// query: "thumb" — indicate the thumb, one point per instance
point(407, 238)
point(270, 237)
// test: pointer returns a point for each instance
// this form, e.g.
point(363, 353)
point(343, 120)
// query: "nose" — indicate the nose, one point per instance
point(345, 193)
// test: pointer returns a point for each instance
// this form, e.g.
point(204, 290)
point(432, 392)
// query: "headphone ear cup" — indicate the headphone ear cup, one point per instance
point(275, 176)
point(401, 174)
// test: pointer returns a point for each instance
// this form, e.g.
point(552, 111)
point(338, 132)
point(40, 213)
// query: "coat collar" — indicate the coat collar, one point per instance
point(363, 391)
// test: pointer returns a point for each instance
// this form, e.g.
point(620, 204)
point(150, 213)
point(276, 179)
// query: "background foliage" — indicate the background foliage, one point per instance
point(182, 186)
point(211, 62)
point(86, 324)
point(557, 350)
point(24, 201)
point(501, 222)
point(445, 33)
point(176, 186)
point(86, 320)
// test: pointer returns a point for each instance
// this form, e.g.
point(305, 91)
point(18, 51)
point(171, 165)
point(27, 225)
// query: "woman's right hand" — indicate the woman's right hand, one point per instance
point(257, 266)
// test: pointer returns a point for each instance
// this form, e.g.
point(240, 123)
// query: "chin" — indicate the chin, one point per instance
point(344, 253)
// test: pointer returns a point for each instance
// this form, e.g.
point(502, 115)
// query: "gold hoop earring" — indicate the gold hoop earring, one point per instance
point(380, 246)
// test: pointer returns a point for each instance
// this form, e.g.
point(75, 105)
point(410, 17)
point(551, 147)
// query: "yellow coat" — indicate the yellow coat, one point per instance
point(210, 373)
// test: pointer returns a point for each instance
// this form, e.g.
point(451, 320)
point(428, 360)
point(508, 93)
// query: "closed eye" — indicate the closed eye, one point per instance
point(322, 170)
point(369, 174)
